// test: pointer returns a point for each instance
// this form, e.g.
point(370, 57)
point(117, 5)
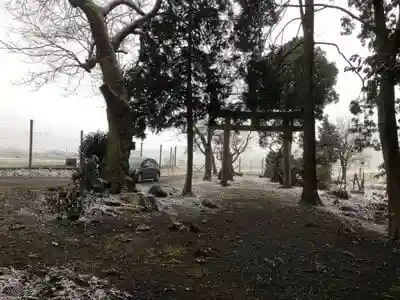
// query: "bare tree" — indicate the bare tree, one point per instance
point(202, 142)
point(73, 37)
point(347, 150)
point(238, 144)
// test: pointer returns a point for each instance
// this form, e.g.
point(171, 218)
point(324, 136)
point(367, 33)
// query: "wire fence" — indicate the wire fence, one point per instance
point(34, 145)
point(173, 160)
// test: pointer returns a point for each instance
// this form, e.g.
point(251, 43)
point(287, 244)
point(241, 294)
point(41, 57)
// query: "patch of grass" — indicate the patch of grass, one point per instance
point(174, 251)
point(111, 243)
point(196, 272)
point(395, 289)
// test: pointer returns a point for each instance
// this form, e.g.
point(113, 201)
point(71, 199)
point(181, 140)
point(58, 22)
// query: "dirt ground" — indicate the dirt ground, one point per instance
point(254, 247)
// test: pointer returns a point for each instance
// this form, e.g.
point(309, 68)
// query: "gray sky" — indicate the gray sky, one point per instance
point(59, 119)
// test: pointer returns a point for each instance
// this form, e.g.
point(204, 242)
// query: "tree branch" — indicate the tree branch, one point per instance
point(202, 140)
point(199, 145)
point(353, 68)
point(121, 35)
point(124, 32)
point(114, 4)
point(292, 20)
point(301, 6)
point(347, 12)
point(396, 35)
point(238, 150)
point(57, 38)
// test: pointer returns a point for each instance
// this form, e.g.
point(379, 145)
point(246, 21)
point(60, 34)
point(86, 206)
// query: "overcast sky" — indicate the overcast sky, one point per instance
point(59, 119)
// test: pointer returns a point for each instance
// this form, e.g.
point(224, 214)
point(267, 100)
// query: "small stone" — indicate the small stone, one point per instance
point(158, 191)
point(208, 203)
point(111, 272)
point(200, 260)
point(112, 203)
point(17, 227)
point(349, 208)
point(143, 227)
point(132, 198)
point(149, 202)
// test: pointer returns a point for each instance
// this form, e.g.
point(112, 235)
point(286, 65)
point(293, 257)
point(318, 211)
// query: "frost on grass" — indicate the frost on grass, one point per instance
point(36, 173)
point(98, 207)
point(370, 209)
point(55, 284)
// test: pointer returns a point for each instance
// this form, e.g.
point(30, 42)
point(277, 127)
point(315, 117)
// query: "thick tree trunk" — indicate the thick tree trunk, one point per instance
point(119, 140)
point(287, 164)
point(390, 148)
point(187, 189)
point(230, 172)
point(118, 110)
point(310, 192)
point(208, 156)
point(386, 49)
point(113, 171)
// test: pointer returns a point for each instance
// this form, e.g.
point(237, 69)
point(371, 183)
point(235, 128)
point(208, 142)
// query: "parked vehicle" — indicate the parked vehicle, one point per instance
point(142, 169)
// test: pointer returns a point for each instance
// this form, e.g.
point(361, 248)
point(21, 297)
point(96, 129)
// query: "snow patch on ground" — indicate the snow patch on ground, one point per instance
point(55, 284)
point(368, 209)
point(64, 173)
point(97, 207)
point(36, 173)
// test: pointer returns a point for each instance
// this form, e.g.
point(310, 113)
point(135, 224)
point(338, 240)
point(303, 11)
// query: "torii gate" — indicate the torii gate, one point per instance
point(287, 118)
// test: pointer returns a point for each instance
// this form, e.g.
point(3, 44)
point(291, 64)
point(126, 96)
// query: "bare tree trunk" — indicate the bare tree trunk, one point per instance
point(287, 151)
point(119, 139)
point(187, 189)
point(265, 175)
point(208, 156)
point(343, 166)
point(226, 161)
point(310, 191)
point(205, 142)
point(231, 170)
point(214, 164)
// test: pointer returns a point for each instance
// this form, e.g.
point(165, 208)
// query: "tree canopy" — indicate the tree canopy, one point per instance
point(158, 80)
point(275, 80)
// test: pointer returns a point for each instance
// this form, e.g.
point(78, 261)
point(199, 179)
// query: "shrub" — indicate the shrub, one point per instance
point(274, 171)
point(324, 176)
point(94, 143)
